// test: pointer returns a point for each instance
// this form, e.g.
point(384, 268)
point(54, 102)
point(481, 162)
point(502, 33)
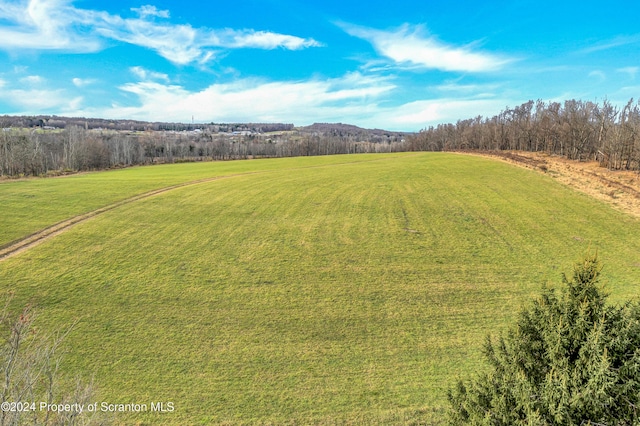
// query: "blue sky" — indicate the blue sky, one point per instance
point(397, 65)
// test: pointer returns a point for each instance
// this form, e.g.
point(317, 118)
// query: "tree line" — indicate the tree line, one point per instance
point(38, 152)
point(574, 129)
point(578, 130)
point(59, 122)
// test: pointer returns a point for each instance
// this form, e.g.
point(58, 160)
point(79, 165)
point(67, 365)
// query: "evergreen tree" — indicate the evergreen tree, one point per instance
point(571, 359)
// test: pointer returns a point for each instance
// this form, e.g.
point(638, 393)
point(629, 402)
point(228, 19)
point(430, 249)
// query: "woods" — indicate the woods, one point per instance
point(577, 130)
point(37, 151)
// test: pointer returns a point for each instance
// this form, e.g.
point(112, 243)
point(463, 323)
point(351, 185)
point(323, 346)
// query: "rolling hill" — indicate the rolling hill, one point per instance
point(342, 289)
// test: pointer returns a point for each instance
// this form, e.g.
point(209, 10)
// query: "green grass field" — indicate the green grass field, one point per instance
point(29, 205)
point(329, 290)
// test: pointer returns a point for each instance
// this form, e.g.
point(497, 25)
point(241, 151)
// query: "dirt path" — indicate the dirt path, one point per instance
point(16, 247)
point(620, 189)
point(36, 238)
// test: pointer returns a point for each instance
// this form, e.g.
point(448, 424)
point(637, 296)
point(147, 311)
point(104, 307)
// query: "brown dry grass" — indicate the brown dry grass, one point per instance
point(620, 189)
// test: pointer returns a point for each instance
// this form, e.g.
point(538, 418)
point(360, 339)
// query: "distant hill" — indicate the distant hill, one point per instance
point(341, 129)
point(58, 122)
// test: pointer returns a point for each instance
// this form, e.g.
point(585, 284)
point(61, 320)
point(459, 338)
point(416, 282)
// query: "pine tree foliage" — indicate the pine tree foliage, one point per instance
point(571, 359)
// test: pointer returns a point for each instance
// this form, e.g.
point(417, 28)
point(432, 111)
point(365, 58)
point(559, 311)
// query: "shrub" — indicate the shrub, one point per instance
point(571, 359)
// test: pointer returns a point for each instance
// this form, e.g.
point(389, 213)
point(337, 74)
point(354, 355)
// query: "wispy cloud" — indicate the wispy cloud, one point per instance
point(183, 44)
point(425, 112)
point(410, 45)
point(262, 40)
point(627, 92)
point(630, 71)
point(179, 44)
point(83, 82)
point(26, 102)
point(145, 74)
point(349, 97)
point(613, 43)
point(354, 98)
point(32, 94)
point(598, 74)
point(32, 79)
point(58, 25)
point(44, 25)
point(148, 10)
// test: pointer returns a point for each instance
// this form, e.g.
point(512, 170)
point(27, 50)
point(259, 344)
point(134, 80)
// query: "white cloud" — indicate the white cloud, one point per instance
point(421, 113)
point(362, 99)
point(83, 82)
point(265, 40)
point(32, 79)
point(176, 43)
point(613, 43)
point(148, 10)
point(410, 46)
point(342, 99)
point(183, 44)
point(144, 74)
point(44, 25)
point(58, 25)
point(353, 98)
point(28, 102)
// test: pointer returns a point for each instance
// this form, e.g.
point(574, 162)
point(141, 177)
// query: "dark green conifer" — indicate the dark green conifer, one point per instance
point(571, 359)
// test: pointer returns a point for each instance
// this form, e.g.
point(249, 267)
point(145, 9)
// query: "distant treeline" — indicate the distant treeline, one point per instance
point(575, 129)
point(38, 151)
point(51, 122)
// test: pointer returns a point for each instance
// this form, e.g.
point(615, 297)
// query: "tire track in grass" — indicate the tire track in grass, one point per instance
point(23, 244)
point(18, 246)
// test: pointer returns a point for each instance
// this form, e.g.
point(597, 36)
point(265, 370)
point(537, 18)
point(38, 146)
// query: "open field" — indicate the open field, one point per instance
point(331, 290)
point(619, 188)
point(28, 205)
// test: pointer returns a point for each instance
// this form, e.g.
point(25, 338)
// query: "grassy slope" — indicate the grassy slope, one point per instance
point(29, 205)
point(354, 292)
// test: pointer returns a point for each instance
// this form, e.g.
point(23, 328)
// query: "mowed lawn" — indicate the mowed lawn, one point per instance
point(329, 290)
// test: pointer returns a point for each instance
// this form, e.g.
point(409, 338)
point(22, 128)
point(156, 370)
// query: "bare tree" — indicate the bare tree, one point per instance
point(29, 376)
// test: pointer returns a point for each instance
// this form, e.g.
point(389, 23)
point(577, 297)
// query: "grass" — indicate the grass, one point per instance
point(352, 289)
point(29, 205)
